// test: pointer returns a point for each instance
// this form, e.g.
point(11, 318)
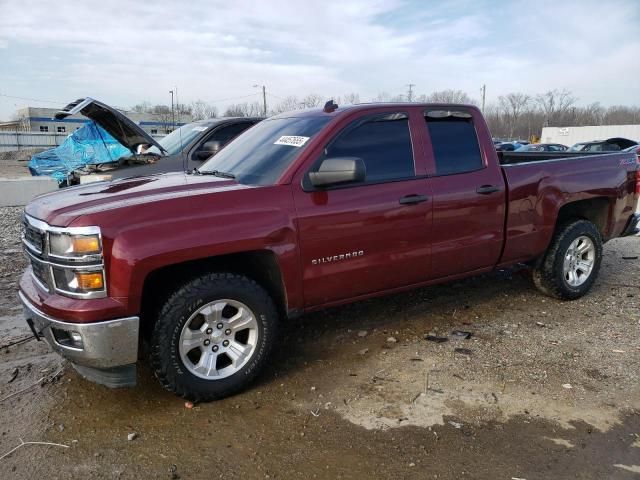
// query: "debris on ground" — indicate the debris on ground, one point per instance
point(461, 334)
point(392, 340)
point(14, 375)
point(362, 333)
point(364, 351)
point(173, 472)
point(23, 443)
point(436, 338)
point(188, 405)
point(132, 436)
point(463, 351)
point(567, 386)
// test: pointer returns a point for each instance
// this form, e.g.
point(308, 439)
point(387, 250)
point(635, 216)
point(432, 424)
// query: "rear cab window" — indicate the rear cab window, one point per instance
point(454, 141)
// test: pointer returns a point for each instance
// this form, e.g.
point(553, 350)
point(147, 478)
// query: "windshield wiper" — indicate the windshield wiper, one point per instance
point(215, 173)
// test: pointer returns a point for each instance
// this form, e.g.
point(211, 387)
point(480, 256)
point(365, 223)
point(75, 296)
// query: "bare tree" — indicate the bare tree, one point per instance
point(142, 107)
point(350, 98)
point(201, 110)
point(290, 103)
point(312, 100)
point(163, 115)
point(512, 106)
point(245, 109)
point(449, 96)
point(555, 104)
point(387, 97)
point(621, 115)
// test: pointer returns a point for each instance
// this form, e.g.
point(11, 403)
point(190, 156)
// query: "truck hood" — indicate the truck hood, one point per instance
point(62, 207)
point(118, 125)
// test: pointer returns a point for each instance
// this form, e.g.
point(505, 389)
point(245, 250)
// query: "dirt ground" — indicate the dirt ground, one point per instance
point(13, 164)
point(542, 389)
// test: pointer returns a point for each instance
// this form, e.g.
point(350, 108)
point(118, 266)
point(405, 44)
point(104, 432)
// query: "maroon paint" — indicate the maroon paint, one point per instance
point(151, 222)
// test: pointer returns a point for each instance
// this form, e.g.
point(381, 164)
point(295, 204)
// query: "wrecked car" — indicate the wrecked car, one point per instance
point(183, 149)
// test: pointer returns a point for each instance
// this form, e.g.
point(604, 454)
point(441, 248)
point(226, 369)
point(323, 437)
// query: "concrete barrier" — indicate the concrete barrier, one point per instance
point(15, 192)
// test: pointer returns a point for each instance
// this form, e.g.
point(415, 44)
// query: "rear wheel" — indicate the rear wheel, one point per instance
point(213, 336)
point(571, 264)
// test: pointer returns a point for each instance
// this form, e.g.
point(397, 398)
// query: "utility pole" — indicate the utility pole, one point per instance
point(410, 92)
point(173, 121)
point(264, 98)
point(484, 93)
point(175, 89)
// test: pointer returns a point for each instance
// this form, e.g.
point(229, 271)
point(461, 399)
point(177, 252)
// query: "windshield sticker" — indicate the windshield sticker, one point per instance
point(199, 129)
point(291, 140)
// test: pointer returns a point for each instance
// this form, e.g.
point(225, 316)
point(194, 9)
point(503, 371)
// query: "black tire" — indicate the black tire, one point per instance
point(548, 274)
point(165, 358)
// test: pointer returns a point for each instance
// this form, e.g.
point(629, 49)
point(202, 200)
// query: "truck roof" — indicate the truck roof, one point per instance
point(314, 112)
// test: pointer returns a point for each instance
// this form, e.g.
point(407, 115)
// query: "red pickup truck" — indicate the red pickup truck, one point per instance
point(303, 211)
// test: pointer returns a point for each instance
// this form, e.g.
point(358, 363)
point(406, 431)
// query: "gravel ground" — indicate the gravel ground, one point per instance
point(542, 389)
point(12, 260)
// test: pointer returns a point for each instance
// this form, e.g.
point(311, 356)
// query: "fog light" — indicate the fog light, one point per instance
point(76, 338)
point(67, 338)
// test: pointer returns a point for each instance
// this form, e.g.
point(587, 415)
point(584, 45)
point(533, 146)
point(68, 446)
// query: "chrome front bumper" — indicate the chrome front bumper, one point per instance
point(91, 347)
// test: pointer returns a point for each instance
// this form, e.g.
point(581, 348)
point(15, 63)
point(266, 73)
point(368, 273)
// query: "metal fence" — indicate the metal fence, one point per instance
point(20, 140)
point(10, 141)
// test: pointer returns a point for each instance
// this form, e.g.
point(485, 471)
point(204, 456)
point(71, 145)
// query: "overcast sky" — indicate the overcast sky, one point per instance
point(123, 54)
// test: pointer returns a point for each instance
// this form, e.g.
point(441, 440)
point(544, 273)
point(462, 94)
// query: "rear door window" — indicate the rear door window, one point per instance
point(454, 142)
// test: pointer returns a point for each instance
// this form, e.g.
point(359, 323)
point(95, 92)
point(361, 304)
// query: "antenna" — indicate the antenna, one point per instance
point(484, 93)
point(330, 107)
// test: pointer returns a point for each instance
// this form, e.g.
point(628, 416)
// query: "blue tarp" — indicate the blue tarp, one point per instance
point(90, 144)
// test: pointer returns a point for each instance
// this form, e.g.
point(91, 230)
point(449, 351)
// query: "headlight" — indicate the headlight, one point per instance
point(74, 245)
point(78, 269)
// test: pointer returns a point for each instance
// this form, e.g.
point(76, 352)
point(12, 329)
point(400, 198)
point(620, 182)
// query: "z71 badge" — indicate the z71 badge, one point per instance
point(337, 258)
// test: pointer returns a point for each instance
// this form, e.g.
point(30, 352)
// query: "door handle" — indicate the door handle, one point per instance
point(413, 199)
point(487, 189)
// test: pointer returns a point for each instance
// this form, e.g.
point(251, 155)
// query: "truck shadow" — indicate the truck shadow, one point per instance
point(322, 335)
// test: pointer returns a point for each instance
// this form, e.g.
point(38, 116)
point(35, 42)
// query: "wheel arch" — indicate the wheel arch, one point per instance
point(596, 210)
point(259, 265)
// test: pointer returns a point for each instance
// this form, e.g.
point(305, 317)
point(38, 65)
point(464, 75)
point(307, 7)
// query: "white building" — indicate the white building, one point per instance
point(40, 120)
point(572, 135)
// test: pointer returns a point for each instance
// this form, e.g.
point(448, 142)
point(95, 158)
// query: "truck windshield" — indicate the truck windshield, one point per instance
point(262, 153)
point(176, 140)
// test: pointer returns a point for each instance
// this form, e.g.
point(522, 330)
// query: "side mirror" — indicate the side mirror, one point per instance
point(208, 149)
point(334, 171)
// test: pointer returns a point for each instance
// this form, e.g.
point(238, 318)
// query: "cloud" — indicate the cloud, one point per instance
point(124, 52)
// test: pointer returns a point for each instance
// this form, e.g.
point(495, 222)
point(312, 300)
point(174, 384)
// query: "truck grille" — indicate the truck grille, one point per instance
point(34, 237)
point(40, 272)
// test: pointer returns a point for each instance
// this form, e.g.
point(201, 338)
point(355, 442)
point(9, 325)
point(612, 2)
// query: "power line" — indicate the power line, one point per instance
point(276, 96)
point(233, 98)
point(31, 99)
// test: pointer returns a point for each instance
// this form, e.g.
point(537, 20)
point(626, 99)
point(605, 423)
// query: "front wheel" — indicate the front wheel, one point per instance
point(571, 264)
point(213, 336)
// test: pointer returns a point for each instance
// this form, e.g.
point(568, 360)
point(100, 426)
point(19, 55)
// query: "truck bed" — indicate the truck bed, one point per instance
point(538, 184)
